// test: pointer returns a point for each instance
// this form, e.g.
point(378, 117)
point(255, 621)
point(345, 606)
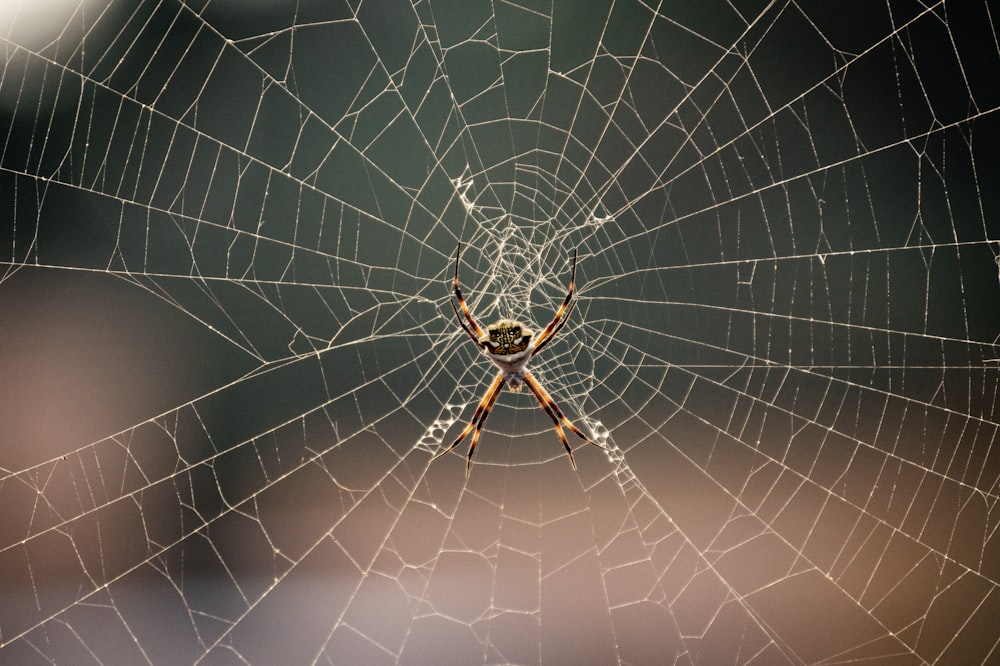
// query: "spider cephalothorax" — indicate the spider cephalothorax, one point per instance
point(510, 345)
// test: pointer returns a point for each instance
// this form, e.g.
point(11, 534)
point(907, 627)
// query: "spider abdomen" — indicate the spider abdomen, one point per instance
point(506, 337)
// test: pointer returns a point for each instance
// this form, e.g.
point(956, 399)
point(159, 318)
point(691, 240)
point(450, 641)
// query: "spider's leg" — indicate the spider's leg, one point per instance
point(558, 328)
point(479, 417)
point(465, 327)
point(562, 438)
point(556, 322)
point(492, 398)
point(555, 419)
point(461, 302)
point(556, 414)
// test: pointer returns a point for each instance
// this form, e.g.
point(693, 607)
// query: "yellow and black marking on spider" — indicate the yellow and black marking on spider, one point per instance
point(510, 345)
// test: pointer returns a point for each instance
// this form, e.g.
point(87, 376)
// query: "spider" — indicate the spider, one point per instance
point(511, 345)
